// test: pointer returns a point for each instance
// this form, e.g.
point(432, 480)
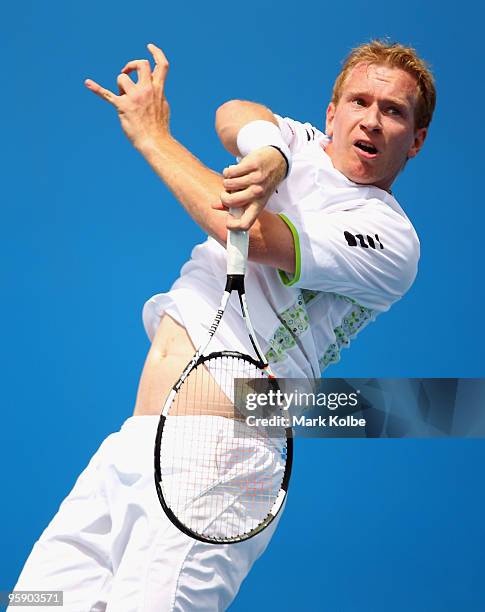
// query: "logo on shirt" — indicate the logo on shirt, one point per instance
point(363, 241)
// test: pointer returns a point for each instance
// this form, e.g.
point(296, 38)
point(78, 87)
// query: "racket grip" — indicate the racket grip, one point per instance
point(237, 247)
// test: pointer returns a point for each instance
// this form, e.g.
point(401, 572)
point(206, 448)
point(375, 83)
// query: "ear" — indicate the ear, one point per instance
point(419, 138)
point(329, 119)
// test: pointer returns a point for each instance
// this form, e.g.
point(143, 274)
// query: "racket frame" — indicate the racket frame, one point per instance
point(237, 248)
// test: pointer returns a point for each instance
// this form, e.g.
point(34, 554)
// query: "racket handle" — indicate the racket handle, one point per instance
point(237, 247)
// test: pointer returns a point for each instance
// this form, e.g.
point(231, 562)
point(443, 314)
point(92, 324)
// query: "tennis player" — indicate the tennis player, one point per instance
point(330, 249)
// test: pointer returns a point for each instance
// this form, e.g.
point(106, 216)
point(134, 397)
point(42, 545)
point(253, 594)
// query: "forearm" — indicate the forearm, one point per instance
point(197, 187)
point(192, 183)
point(144, 115)
point(233, 115)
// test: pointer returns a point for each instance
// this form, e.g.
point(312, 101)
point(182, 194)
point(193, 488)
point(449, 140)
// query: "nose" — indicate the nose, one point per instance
point(371, 121)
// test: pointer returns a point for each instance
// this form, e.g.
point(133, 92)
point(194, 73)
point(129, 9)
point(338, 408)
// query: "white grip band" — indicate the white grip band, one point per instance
point(237, 247)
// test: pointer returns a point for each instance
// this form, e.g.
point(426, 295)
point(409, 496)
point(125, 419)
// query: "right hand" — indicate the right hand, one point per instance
point(142, 107)
point(249, 185)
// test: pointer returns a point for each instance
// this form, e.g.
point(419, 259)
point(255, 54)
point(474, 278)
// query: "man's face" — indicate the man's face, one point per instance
point(372, 126)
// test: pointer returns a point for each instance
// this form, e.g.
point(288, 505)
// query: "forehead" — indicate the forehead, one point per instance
point(382, 81)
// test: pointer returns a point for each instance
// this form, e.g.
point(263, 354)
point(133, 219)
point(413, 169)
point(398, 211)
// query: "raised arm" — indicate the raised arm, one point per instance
point(144, 115)
point(232, 116)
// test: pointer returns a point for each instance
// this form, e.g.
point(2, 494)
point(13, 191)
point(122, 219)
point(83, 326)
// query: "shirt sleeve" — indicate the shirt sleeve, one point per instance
point(369, 253)
point(296, 134)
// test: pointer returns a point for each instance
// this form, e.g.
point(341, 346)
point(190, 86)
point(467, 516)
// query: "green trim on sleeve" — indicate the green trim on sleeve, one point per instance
point(286, 279)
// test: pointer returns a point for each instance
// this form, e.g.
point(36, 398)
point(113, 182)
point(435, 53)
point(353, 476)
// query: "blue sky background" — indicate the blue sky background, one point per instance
point(89, 233)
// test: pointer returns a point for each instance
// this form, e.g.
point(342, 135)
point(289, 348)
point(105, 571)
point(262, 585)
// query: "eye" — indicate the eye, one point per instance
point(393, 110)
point(358, 102)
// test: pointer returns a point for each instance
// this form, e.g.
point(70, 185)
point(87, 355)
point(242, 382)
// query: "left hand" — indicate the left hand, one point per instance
point(249, 185)
point(142, 108)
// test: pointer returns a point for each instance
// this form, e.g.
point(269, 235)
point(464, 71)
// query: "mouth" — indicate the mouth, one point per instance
point(366, 149)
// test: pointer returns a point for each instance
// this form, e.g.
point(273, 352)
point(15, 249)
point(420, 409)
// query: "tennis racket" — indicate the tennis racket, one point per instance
point(218, 479)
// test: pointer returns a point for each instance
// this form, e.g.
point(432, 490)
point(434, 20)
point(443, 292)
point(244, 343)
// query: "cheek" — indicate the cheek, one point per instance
point(402, 140)
point(340, 130)
point(399, 151)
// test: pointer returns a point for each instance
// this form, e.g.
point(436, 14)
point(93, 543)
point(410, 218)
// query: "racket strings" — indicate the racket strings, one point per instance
point(220, 477)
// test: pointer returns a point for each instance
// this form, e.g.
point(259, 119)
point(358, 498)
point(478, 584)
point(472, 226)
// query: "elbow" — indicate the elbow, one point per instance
point(227, 112)
point(227, 124)
point(233, 115)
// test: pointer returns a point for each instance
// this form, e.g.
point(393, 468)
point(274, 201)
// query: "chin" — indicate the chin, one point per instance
point(362, 178)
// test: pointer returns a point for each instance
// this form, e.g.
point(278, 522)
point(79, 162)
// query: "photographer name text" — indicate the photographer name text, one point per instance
point(302, 421)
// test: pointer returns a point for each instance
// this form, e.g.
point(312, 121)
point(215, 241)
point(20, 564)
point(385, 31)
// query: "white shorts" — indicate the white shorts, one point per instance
point(111, 548)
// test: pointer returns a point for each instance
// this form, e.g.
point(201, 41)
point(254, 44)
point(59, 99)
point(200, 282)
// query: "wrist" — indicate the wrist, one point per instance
point(153, 143)
point(257, 134)
point(283, 155)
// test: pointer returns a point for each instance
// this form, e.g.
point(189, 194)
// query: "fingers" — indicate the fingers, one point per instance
point(161, 65)
point(247, 202)
point(125, 84)
point(102, 92)
point(144, 76)
point(218, 206)
point(241, 198)
point(142, 68)
point(246, 220)
point(244, 187)
point(239, 223)
point(242, 182)
point(245, 166)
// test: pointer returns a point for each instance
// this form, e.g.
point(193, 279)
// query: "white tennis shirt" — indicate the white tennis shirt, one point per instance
point(356, 254)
